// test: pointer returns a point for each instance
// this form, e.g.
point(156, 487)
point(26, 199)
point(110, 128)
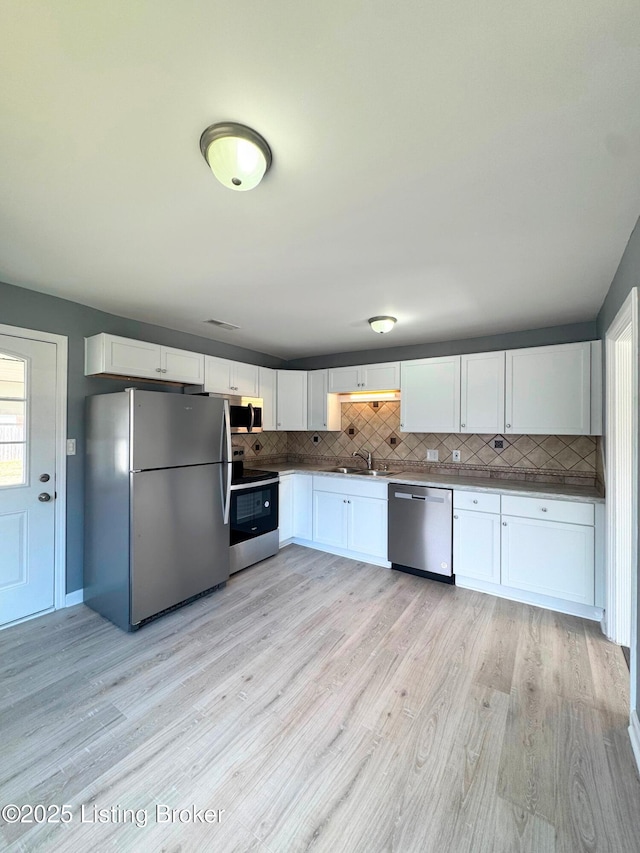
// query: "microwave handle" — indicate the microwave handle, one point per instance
point(252, 417)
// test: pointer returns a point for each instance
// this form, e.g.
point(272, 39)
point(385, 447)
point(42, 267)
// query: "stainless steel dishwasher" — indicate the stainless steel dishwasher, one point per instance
point(421, 531)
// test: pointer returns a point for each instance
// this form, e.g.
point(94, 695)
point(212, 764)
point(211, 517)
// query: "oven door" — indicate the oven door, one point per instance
point(254, 510)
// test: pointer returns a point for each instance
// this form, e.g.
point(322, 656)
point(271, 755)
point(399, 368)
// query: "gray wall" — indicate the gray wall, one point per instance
point(510, 340)
point(626, 277)
point(31, 310)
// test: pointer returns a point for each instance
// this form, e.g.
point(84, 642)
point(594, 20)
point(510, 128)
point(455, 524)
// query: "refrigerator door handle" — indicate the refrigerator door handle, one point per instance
point(225, 437)
point(225, 471)
point(225, 468)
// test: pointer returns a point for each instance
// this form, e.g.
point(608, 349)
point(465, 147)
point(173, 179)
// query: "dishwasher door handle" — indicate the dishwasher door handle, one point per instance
point(407, 497)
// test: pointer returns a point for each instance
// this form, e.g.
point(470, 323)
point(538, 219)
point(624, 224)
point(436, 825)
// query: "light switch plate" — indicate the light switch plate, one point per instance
point(71, 447)
point(432, 455)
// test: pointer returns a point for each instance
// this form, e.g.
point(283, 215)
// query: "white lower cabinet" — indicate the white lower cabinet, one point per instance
point(547, 557)
point(351, 517)
point(367, 526)
point(476, 545)
point(295, 507)
point(303, 506)
point(532, 549)
point(330, 519)
point(285, 508)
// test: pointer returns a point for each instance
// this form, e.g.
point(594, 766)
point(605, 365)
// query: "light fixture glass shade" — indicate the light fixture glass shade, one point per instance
point(236, 154)
point(382, 324)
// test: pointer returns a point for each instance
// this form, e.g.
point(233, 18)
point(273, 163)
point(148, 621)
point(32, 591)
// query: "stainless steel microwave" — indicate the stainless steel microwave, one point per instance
point(245, 413)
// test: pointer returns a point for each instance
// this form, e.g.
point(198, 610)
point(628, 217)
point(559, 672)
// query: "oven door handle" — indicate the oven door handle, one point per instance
point(257, 484)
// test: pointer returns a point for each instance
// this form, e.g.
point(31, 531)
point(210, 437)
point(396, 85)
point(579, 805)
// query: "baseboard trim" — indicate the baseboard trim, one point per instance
point(634, 734)
point(73, 598)
point(559, 605)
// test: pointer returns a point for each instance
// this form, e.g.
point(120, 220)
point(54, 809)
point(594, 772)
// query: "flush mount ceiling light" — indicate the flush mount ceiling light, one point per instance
point(237, 155)
point(382, 324)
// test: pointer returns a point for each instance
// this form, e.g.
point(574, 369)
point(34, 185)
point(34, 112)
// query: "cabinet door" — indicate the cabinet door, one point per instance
point(246, 379)
point(344, 379)
point(132, 358)
point(381, 377)
point(476, 545)
point(367, 529)
point(330, 519)
point(267, 391)
point(430, 399)
point(548, 390)
point(285, 508)
point(323, 409)
point(217, 375)
point(303, 506)
point(551, 558)
point(291, 400)
point(482, 392)
point(180, 365)
point(317, 399)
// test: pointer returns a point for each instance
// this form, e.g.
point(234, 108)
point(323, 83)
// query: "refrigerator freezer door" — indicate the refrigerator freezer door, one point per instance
point(172, 430)
point(179, 543)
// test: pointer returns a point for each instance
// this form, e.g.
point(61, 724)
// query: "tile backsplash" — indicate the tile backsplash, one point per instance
point(569, 459)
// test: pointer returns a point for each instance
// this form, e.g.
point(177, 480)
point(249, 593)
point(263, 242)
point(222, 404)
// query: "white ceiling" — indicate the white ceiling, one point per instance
point(468, 168)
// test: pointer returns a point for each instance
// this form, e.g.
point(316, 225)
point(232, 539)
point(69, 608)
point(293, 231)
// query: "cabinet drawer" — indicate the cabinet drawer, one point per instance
point(357, 486)
point(571, 512)
point(479, 501)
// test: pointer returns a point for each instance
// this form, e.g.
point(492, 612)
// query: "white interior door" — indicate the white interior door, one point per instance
point(27, 476)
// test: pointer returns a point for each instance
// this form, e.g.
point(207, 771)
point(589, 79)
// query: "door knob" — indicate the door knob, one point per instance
point(44, 478)
point(44, 497)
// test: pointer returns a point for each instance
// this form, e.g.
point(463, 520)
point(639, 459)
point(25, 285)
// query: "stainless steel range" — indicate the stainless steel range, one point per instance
point(253, 518)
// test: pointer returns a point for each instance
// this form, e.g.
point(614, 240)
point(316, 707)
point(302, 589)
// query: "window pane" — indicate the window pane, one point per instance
point(11, 464)
point(12, 420)
point(12, 372)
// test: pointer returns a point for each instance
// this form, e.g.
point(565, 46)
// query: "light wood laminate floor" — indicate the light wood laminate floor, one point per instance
point(325, 705)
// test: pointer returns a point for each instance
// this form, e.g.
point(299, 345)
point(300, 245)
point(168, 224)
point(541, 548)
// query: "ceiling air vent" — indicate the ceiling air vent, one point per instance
point(222, 324)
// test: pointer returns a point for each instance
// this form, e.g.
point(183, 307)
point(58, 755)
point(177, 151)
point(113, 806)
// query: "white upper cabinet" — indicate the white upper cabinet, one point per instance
point(548, 390)
point(430, 395)
point(222, 376)
point(482, 392)
point(323, 411)
point(291, 395)
point(138, 359)
point(365, 377)
point(267, 389)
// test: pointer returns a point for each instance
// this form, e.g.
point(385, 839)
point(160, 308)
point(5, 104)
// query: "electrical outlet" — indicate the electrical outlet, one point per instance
point(432, 455)
point(455, 455)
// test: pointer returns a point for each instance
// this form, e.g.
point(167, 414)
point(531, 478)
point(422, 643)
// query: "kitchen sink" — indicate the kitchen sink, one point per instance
point(373, 472)
point(344, 470)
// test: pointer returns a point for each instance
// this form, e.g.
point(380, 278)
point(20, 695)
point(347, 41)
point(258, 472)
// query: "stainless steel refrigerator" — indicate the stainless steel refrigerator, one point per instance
point(157, 494)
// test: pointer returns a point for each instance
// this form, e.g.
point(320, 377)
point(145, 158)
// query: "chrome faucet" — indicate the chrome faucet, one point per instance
point(367, 458)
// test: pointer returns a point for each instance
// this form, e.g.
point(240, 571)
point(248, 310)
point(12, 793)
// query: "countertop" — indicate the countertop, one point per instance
point(588, 494)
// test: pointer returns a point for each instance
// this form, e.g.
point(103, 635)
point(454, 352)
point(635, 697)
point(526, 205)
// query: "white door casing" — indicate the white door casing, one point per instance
point(32, 418)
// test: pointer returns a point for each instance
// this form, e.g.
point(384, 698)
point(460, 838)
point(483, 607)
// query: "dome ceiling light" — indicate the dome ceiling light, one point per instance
point(382, 325)
point(237, 155)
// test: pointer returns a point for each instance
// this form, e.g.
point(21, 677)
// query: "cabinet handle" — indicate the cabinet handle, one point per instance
point(158, 370)
point(504, 523)
point(164, 369)
point(455, 516)
point(475, 502)
point(401, 425)
point(508, 426)
point(463, 425)
point(543, 509)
